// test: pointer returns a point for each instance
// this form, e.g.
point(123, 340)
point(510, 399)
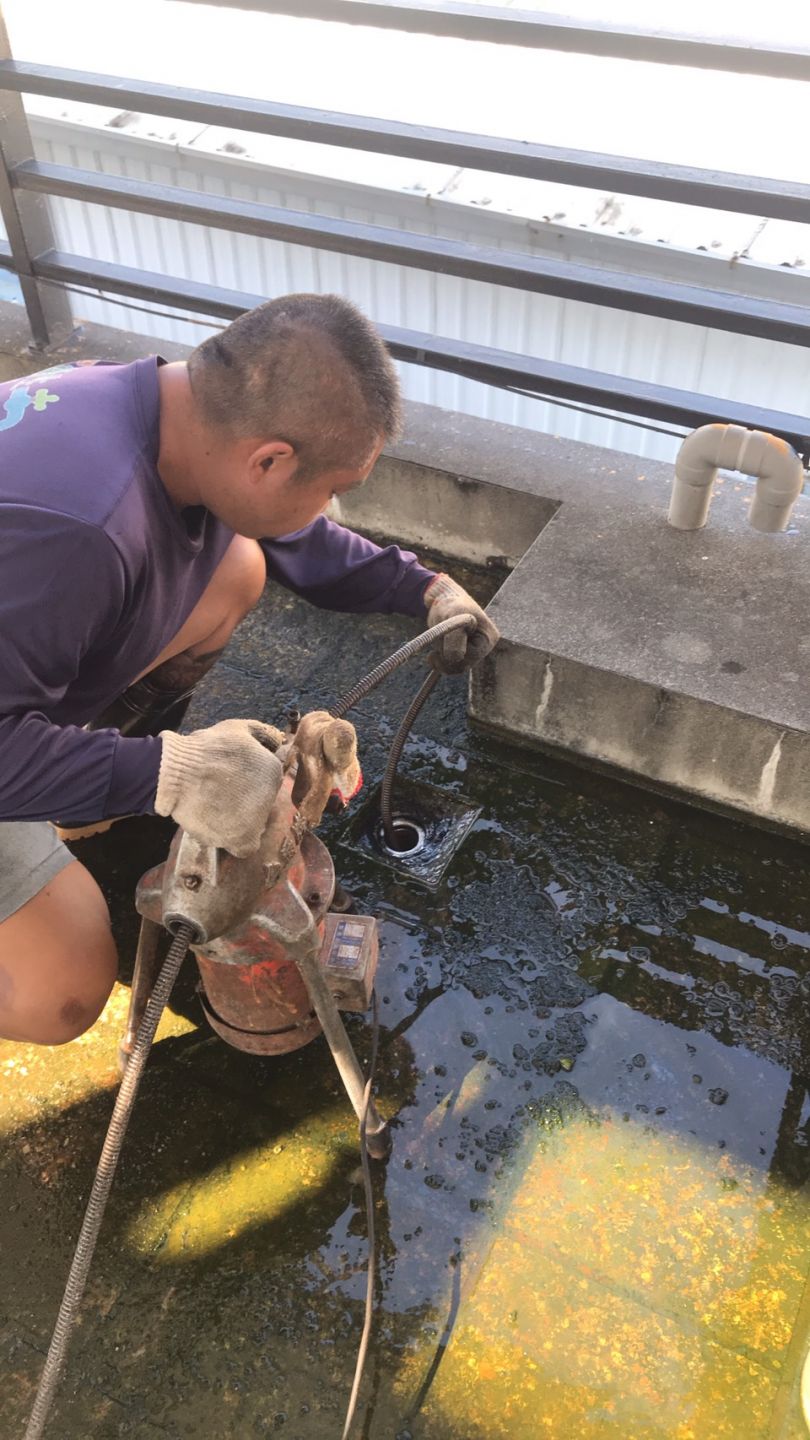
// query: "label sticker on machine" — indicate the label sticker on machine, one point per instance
point(346, 945)
point(349, 958)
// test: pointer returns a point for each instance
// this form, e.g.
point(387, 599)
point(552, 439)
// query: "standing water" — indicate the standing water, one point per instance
point(594, 1039)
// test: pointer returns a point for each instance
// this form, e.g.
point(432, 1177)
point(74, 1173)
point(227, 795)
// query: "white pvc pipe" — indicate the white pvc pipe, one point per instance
point(775, 464)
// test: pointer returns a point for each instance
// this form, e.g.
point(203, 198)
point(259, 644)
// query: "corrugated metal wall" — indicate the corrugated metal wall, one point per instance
point(684, 356)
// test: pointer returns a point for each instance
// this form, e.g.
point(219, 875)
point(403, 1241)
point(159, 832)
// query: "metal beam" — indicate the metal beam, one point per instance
point(27, 219)
point(494, 24)
point(722, 190)
point(550, 380)
point(545, 378)
point(743, 315)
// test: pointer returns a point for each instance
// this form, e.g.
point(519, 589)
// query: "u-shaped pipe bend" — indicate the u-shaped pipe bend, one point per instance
point(775, 464)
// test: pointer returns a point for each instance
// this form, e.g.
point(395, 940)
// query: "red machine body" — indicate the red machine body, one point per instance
point(251, 987)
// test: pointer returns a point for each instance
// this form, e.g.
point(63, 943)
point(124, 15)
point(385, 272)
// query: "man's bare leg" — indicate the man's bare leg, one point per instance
point(58, 961)
point(235, 589)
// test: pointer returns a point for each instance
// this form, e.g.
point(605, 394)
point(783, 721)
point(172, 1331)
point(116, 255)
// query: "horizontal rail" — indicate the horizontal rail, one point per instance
point(744, 315)
point(494, 24)
point(721, 190)
point(547, 379)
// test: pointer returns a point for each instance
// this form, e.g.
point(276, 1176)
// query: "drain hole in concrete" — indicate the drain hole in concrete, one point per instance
point(408, 838)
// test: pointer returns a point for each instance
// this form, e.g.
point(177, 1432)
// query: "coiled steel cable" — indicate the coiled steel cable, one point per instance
point(374, 678)
point(386, 801)
point(105, 1173)
point(387, 667)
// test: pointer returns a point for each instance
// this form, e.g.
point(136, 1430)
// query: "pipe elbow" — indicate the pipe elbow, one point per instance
point(779, 476)
point(776, 466)
point(699, 455)
point(696, 466)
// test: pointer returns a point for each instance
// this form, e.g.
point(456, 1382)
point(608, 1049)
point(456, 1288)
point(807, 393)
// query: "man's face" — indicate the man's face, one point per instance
point(268, 501)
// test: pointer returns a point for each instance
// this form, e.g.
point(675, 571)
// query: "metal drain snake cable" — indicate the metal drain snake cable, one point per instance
point(105, 1173)
point(406, 652)
point(375, 677)
point(386, 810)
point(351, 698)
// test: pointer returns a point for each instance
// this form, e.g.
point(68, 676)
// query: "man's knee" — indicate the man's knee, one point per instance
point(58, 961)
point(243, 574)
point(233, 590)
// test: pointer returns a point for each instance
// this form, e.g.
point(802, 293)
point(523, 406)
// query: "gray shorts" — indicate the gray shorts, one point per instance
point(31, 853)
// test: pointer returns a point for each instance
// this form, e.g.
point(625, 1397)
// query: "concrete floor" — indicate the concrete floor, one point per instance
point(595, 1219)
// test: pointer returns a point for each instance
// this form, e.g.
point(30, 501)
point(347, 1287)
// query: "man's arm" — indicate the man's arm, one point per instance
point(336, 569)
point(61, 771)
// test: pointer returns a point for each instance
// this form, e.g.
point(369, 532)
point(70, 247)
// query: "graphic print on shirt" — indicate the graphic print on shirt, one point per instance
point(20, 399)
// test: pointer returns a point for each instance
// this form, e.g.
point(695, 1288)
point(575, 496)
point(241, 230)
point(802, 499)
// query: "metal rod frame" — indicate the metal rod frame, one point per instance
point(17, 246)
point(743, 315)
point(684, 184)
point(547, 379)
point(27, 219)
point(495, 24)
point(646, 295)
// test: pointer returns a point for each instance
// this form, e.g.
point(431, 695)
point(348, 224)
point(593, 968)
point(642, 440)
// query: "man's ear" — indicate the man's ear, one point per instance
point(273, 457)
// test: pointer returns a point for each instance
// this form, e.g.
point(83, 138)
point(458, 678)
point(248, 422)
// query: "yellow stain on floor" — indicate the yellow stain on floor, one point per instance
point(637, 1286)
point(235, 1197)
point(194, 1217)
point(634, 1285)
point(38, 1079)
point(690, 1232)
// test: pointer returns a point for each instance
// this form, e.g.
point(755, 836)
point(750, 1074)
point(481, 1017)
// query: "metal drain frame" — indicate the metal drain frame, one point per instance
point(444, 818)
point(400, 822)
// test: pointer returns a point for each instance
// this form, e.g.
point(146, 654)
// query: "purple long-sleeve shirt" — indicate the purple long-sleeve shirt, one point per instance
point(99, 570)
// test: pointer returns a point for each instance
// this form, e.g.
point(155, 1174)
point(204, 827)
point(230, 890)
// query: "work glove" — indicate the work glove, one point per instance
point(328, 768)
point(220, 784)
point(461, 649)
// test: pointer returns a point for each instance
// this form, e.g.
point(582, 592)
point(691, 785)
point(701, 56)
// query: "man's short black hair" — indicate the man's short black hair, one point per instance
point(308, 369)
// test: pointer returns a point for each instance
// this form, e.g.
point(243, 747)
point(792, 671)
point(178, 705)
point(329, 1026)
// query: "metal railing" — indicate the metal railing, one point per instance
point(32, 254)
point(497, 25)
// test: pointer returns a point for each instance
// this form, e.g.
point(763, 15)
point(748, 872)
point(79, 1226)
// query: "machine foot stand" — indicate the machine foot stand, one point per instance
point(380, 1143)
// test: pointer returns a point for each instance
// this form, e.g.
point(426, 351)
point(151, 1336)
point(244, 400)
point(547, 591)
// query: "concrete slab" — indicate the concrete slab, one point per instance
point(679, 658)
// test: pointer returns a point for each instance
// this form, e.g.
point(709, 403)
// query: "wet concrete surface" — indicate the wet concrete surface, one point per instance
point(594, 1042)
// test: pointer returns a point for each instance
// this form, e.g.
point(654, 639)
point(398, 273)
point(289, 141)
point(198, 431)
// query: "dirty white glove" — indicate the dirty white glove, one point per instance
point(459, 650)
point(326, 753)
point(220, 783)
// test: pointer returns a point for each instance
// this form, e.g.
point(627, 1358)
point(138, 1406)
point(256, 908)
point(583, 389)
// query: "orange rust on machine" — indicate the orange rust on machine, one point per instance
point(251, 989)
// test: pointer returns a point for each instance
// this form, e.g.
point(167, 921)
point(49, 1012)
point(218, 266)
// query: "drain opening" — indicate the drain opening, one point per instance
point(408, 838)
